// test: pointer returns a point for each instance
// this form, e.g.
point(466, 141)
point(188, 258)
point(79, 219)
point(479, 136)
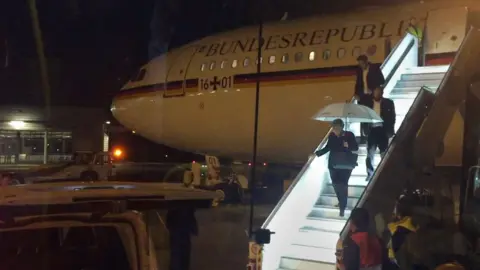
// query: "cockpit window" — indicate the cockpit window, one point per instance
point(140, 75)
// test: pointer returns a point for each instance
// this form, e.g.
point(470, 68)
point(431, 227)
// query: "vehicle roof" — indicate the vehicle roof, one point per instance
point(71, 192)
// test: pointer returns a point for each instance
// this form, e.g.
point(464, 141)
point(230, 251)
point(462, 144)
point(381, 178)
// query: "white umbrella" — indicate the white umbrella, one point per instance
point(349, 112)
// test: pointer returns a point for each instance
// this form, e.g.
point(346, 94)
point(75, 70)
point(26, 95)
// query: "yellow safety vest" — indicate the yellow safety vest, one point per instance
point(405, 222)
point(416, 32)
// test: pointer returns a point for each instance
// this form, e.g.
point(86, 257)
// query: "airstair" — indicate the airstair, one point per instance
point(306, 221)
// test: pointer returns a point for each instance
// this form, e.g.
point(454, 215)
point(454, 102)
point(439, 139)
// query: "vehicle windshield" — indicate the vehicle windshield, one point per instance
point(80, 247)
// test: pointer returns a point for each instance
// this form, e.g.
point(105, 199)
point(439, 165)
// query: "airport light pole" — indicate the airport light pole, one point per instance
point(37, 32)
point(255, 128)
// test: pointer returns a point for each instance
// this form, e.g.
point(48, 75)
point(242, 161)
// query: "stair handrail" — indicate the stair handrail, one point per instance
point(380, 166)
point(405, 42)
point(447, 76)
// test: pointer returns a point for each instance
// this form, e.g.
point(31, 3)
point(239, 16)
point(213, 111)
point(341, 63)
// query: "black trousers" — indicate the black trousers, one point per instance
point(180, 249)
point(364, 127)
point(377, 138)
point(340, 185)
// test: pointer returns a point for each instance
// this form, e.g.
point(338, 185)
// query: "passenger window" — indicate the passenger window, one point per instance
point(356, 51)
point(234, 63)
point(341, 53)
point(326, 54)
point(212, 65)
point(298, 57)
point(285, 58)
point(271, 59)
point(203, 67)
point(246, 62)
point(311, 56)
point(261, 61)
point(223, 64)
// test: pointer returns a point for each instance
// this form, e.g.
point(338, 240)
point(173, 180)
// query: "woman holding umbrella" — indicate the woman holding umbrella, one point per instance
point(341, 161)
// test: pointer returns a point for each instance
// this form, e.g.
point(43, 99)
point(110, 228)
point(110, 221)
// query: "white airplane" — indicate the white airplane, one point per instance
point(200, 97)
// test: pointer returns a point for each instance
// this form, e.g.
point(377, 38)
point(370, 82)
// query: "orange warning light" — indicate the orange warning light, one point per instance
point(118, 153)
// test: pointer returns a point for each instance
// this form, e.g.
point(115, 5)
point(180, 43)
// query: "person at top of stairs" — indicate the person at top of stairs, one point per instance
point(369, 76)
point(341, 160)
point(362, 250)
point(379, 133)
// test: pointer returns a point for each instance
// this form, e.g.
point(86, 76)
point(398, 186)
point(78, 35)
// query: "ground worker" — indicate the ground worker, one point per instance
point(416, 30)
point(399, 229)
point(361, 249)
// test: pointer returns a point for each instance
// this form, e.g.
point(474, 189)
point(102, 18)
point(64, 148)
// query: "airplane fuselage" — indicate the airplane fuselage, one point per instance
point(201, 97)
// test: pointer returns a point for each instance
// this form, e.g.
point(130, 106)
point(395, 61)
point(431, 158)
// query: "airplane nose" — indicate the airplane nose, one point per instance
point(139, 114)
point(138, 105)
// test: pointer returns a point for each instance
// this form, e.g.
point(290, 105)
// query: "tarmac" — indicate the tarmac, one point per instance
point(222, 242)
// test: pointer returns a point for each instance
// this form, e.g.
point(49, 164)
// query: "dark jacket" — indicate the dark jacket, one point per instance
point(335, 144)
point(387, 113)
point(374, 79)
point(363, 250)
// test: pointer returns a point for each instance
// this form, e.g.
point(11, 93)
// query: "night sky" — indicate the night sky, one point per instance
point(93, 46)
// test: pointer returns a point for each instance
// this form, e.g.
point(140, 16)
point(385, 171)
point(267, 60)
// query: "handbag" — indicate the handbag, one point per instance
point(343, 160)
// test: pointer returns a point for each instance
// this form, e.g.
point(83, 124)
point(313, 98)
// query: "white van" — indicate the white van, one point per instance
point(86, 226)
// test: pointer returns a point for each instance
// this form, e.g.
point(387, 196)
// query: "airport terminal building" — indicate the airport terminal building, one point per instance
point(27, 136)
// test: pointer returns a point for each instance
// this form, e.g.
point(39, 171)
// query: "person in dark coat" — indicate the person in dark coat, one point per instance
point(181, 224)
point(339, 140)
point(369, 77)
point(361, 249)
point(379, 133)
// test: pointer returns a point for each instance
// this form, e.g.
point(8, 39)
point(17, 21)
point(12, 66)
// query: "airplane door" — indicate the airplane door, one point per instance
point(445, 30)
point(177, 72)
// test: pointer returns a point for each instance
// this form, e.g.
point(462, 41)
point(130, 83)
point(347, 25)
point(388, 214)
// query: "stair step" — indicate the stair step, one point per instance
point(319, 224)
point(294, 264)
point(316, 239)
point(354, 191)
point(308, 258)
point(331, 200)
point(419, 83)
point(326, 212)
point(422, 76)
point(403, 93)
point(427, 69)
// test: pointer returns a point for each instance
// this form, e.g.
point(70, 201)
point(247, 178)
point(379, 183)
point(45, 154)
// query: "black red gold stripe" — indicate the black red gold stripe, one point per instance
point(241, 80)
